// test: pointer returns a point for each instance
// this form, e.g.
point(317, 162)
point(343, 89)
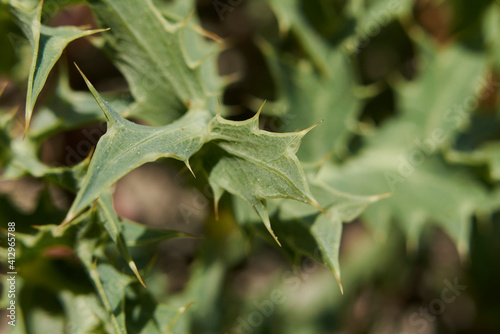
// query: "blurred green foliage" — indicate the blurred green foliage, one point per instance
point(408, 151)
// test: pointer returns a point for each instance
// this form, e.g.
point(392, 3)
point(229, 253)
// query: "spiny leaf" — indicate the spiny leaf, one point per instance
point(69, 109)
point(162, 78)
point(423, 188)
point(257, 165)
point(108, 282)
point(47, 44)
point(114, 228)
point(327, 229)
point(111, 285)
point(304, 231)
point(266, 160)
point(321, 86)
point(308, 96)
point(127, 145)
point(439, 109)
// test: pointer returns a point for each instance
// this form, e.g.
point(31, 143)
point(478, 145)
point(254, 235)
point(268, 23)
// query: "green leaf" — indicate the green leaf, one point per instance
point(327, 229)
point(24, 160)
point(304, 231)
point(291, 18)
point(83, 313)
point(112, 285)
point(39, 319)
point(127, 145)
point(308, 96)
point(176, 10)
point(423, 188)
point(256, 165)
point(146, 315)
point(152, 54)
point(20, 157)
point(108, 282)
point(113, 226)
point(205, 285)
point(367, 14)
point(440, 110)
point(47, 44)
point(70, 109)
point(167, 317)
point(400, 157)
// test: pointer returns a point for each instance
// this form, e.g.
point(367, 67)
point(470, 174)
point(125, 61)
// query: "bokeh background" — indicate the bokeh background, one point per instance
point(398, 283)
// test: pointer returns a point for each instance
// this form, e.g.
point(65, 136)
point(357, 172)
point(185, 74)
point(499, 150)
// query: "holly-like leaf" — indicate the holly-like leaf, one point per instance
point(111, 284)
point(305, 231)
point(327, 229)
point(321, 86)
point(127, 145)
point(423, 188)
point(440, 110)
point(256, 165)
point(163, 78)
point(47, 44)
point(307, 96)
point(369, 16)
